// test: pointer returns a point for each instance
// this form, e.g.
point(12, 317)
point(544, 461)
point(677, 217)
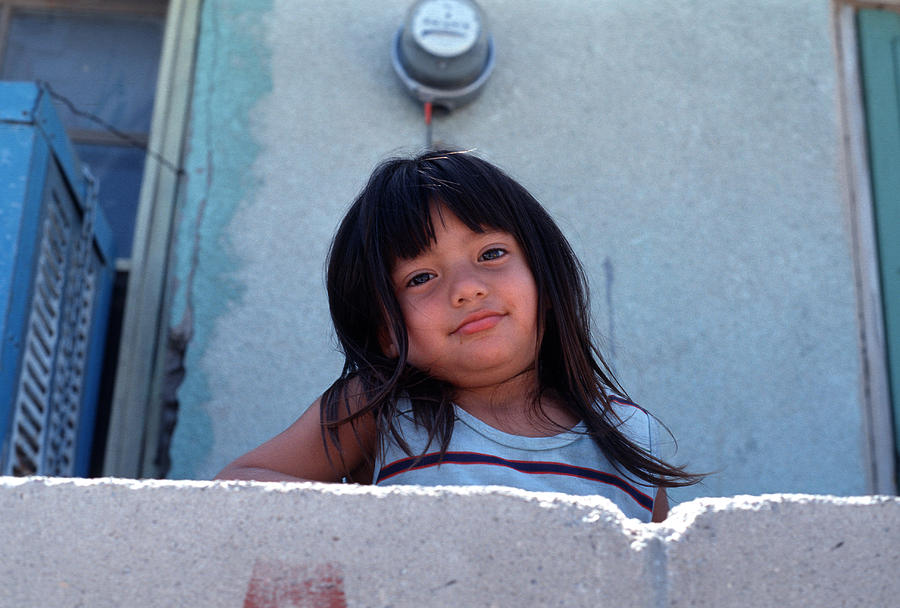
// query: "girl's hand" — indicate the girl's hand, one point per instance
point(299, 454)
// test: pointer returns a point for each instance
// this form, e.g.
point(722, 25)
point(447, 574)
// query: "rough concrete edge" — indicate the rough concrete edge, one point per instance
point(597, 508)
point(543, 498)
point(643, 535)
point(682, 517)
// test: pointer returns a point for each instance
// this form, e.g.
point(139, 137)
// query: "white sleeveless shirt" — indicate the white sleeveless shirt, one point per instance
point(479, 454)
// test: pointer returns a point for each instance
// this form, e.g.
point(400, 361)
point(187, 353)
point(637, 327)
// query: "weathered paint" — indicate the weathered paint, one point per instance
point(16, 144)
point(231, 74)
point(276, 583)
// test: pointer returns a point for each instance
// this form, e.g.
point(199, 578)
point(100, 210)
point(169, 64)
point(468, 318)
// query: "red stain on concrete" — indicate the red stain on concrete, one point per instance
point(277, 584)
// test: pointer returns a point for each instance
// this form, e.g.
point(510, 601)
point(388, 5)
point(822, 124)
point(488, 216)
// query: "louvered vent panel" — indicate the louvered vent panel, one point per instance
point(66, 403)
point(34, 401)
point(56, 284)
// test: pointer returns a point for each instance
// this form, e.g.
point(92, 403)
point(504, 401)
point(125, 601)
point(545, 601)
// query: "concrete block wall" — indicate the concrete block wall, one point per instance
point(164, 543)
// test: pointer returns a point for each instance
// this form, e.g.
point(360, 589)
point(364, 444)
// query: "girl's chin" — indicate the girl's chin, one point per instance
point(490, 378)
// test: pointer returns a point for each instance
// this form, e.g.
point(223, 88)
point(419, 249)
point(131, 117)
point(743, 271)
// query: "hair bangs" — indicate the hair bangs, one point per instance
point(474, 191)
point(402, 226)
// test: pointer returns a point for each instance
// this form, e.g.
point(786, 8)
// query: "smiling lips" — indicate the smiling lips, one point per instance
point(478, 321)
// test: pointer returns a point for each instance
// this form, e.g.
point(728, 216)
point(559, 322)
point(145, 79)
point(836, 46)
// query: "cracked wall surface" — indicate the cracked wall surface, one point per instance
point(231, 74)
point(153, 543)
point(690, 154)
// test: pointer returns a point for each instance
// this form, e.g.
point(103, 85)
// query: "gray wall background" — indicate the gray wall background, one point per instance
point(689, 149)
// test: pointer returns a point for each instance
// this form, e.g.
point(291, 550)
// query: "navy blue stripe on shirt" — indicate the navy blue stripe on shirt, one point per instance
point(523, 466)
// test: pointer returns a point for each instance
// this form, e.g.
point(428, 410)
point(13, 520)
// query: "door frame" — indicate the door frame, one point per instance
point(880, 452)
point(136, 416)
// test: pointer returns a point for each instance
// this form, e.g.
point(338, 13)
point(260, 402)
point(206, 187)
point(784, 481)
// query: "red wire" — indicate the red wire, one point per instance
point(427, 112)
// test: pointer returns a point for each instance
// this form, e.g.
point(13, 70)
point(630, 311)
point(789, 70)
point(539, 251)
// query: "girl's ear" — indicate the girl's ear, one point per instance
point(387, 344)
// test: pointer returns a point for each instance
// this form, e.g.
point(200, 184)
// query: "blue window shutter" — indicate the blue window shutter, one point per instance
point(60, 272)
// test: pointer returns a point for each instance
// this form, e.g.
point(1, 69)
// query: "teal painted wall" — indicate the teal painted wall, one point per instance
point(232, 74)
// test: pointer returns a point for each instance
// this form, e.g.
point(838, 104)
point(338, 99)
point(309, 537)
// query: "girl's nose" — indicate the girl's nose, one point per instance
point(467, 286)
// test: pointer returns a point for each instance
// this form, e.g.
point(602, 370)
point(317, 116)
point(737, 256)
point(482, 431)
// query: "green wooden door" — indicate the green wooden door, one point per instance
point(879, 38)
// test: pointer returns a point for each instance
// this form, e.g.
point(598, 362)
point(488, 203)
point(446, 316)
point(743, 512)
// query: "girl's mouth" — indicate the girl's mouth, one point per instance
point(477, 322)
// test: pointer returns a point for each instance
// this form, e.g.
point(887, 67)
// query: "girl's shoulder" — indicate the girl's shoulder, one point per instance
point(636, 423)
point(624, 403)
point(627, 411)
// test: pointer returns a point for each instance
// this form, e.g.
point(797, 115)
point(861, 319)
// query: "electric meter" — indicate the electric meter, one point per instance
point(444, 53)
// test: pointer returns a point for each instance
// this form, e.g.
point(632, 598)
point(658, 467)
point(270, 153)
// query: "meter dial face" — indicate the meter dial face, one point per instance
point(446, 28)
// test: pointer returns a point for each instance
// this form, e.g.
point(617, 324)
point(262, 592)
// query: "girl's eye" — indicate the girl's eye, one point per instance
point(420, 279)
point(493, 254)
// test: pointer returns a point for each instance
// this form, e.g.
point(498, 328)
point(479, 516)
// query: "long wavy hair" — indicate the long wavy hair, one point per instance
point(391, 220)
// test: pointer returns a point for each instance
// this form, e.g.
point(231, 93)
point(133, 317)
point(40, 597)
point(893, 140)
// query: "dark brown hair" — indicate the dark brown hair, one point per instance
point(391, 220)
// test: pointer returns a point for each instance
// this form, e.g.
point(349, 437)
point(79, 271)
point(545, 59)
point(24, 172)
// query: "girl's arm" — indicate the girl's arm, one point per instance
point(660, 506)
point(298, 453)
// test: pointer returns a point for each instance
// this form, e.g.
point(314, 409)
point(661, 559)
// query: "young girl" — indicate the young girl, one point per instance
point(463, 317)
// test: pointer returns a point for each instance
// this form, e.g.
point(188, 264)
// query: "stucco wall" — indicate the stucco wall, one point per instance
point(143, 544)
point(689, 150)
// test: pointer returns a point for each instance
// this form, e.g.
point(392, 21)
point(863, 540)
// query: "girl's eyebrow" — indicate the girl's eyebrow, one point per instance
point(403, 267)
point(490, 230)
point(500, 233)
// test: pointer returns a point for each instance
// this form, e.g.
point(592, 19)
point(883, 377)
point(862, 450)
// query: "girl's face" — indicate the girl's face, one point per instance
point(469, 304)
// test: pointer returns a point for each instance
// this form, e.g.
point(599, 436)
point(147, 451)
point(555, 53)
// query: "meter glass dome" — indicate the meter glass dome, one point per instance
point(445, 28)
